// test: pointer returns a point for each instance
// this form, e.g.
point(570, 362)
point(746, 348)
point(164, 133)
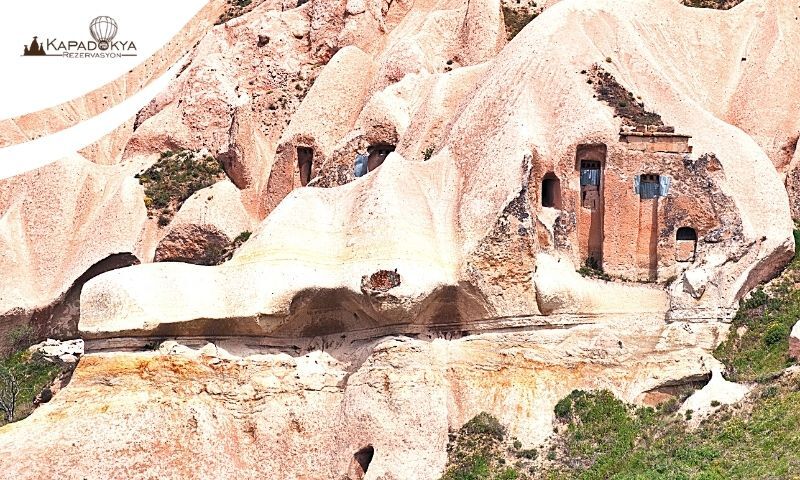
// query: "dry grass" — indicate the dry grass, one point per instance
point(715, 4)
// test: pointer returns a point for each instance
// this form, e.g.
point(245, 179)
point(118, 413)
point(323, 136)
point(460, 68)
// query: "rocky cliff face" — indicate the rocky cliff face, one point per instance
point(303, 410)
point(378, 308)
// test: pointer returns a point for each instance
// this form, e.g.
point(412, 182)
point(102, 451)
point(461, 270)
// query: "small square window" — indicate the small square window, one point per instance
point(649, 186)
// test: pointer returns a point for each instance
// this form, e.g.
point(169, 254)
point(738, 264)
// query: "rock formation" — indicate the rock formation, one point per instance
point(580, 207)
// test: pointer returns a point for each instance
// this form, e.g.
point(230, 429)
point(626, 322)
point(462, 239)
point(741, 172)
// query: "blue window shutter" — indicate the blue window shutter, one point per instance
point(665, 181)
point(361, 165)
point(590, 176)
point(636, 181)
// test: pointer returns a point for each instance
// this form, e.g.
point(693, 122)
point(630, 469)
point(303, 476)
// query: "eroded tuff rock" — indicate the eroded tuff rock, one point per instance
point(494, 173)
point(303, 411)
point(67, 351)
point(205, 226)
point(60, 226)
point(468, 228)
point(124, 148)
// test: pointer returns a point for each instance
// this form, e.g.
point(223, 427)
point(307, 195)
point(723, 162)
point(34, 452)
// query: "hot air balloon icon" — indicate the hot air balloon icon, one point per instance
point(103, 30)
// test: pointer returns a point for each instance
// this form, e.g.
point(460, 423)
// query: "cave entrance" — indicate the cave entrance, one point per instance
point(377, 154)
point(360, 463)
point(305, 162)
point(685, 244)
point(551, 191)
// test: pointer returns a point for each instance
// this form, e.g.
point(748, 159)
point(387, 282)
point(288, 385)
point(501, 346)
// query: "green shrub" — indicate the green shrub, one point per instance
point(242, 237)
point(592, 269)
point(22, 377)
point(756, 299)
point(530, 453)
point(670, 406)
point(174, 178)
point(775, 333)
point(757, 347)
point(564, 406)
point(485, 424)
point(769, 392)
point(478, 452)
point(715, 4)
point(515, 19)
point(20, 337)
point(606, 439)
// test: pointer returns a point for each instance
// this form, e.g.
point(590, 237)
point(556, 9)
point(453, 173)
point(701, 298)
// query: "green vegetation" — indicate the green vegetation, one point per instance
point(603, 438)
point(242, 237)
point(19, 337)
point(757, 348)
point(516, 18)
point(481, 451)
point(236, 8)
point(22, 375)
point(715, 4)
point(592, 269)
point(600, 430)
point(598, 436)
point(174, 178)
point(625, 104)
point(219, 255)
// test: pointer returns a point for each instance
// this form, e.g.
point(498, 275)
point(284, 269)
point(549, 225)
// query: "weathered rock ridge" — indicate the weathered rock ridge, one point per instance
point(443, 223)
point(466, 230)
point(303, 410)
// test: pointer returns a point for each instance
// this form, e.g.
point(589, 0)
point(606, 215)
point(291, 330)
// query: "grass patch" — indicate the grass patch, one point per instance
point(715, 4)
point(174, 178)
point(600, 437)
point(604, 438)
point(757, 347)
point(624, 103)
point(236, 8)
point(480, 450)
point(22, 376)
point(517, 17)
point(591, 269)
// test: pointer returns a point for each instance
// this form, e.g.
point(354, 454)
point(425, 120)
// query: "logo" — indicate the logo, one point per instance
point(103, 31)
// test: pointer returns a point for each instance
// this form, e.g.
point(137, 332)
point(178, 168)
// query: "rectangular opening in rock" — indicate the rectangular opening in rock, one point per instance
point(685, 244)
point(305, 162)
point(551, 191)
point(590, 161)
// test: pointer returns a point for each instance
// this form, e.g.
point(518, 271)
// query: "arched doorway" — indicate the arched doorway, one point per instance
point(551, 191)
